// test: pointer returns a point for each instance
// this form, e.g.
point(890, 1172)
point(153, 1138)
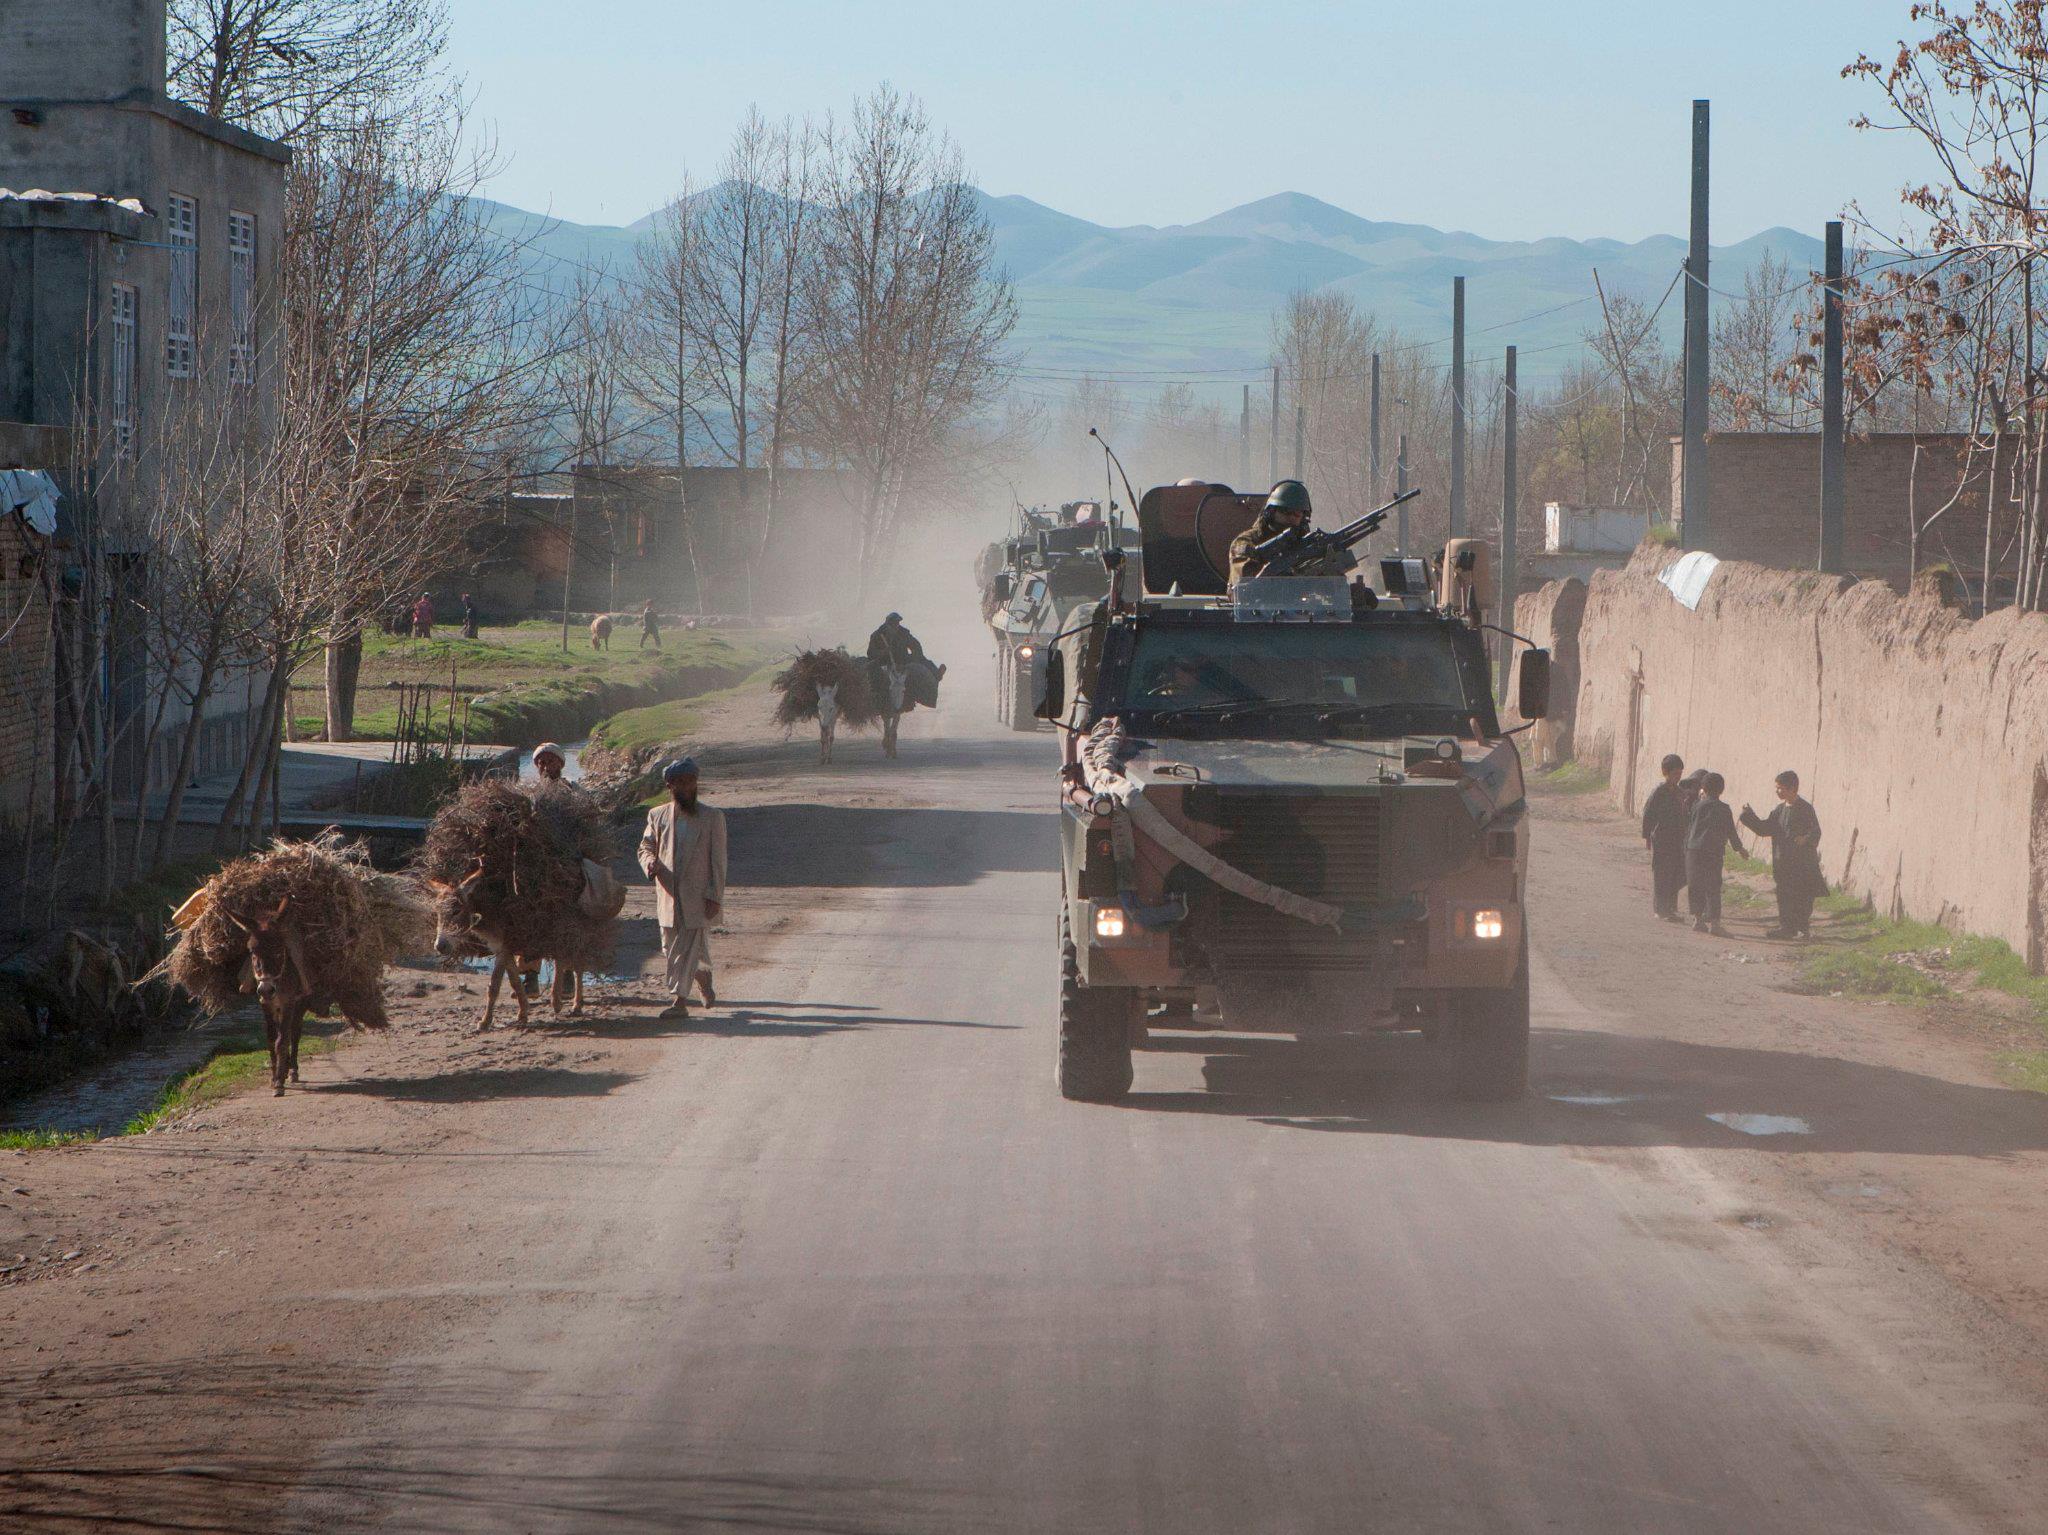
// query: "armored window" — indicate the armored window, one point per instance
point(241, 298)
point(123, 376)
point(182, 224)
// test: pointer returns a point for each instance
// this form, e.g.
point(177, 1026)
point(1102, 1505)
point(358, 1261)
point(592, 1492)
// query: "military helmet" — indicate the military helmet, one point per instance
point(1289, 496)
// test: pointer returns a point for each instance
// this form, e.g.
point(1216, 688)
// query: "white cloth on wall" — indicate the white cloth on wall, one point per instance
point(1688, 575)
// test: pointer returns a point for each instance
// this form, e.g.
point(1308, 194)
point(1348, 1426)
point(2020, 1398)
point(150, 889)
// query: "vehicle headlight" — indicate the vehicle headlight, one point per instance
point(1109, 922)
point(1487, 924)
point(1026, 652)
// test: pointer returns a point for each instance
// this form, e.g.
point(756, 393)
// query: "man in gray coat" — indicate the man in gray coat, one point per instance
point(683, 852)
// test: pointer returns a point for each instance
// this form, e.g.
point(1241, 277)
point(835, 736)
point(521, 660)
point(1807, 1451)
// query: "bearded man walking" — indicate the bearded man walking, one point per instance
point(683, 852)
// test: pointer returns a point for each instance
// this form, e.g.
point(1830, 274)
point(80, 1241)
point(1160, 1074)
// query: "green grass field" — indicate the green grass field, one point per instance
point(518, 675)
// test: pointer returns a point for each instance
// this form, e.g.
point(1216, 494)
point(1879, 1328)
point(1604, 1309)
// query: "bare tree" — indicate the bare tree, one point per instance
point(793, 167)
point(1957, 306)
point(665, 370)
point(281, 67)
point(414, 355)
point(906, 310)
point(589, 375)
point(1753, 338)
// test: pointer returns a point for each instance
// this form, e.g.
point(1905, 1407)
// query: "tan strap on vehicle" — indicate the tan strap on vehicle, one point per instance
point(1102, 760)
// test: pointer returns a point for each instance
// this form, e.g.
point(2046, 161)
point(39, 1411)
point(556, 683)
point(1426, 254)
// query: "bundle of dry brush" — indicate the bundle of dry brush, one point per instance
point(797, 688)
point(346, 923)
point(526, 847)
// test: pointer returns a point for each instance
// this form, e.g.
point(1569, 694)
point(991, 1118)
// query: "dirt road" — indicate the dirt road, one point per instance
point(837, 1258)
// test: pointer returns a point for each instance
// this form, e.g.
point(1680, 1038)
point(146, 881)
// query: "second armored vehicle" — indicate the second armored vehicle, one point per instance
point(1050, 569)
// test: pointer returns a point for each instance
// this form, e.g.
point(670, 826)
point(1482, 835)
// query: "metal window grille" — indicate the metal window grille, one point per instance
point(122, 385)
point(182, 220)
point(241, 297)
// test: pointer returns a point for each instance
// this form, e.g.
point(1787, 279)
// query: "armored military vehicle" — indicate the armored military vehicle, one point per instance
point(1290, 801)
point(1050, 568)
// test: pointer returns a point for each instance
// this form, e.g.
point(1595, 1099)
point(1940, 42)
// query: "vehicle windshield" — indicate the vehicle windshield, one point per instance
point(1299, 680)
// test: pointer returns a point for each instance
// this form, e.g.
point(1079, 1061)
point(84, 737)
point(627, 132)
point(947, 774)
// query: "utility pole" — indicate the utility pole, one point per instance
point(1372, 468)
point(1457, 407)
point(1273, 434)
point(1509, 491)
point(1401, 489)
point(1833, 454)
point(1244, 438)
point(1694, 526)
point(1300, 435)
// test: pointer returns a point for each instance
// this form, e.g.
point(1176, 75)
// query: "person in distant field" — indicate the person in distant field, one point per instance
point(683, 852)
point(1794, 831)
point(893, 645)
point(1712, 829)
point(423, 618)
point(650, 625)
point(548, 762)
point(1665, 814)
point(1287, 506)
point(468, 617)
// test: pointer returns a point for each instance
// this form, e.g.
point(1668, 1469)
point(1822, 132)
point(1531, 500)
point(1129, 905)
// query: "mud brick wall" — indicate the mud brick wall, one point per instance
point(1920, 735)
point(27, 679)
point(1551, 617)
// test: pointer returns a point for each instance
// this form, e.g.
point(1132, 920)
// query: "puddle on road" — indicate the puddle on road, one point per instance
point(1593, 1100)
point(1764, 1124)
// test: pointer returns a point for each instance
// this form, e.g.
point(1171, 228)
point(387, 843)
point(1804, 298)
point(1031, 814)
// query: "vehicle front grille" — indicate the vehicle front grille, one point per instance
point(1324, 846)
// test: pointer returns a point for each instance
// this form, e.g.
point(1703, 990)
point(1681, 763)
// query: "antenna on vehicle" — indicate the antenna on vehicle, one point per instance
point(1113, 459)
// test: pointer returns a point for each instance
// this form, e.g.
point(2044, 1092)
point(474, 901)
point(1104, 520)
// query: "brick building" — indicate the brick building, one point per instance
point(1764, 491)
point(138, 243)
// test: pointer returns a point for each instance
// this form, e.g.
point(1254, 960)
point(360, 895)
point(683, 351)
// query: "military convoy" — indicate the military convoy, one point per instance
point(1033, 583)
point(1288, 805)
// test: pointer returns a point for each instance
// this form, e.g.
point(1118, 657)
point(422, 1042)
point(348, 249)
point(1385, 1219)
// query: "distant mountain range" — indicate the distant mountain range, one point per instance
point(1195, 299)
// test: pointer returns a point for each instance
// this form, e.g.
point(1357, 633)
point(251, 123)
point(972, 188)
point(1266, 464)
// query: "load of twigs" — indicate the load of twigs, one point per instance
point(348, 920)
point(529, 846)
point(796, 687)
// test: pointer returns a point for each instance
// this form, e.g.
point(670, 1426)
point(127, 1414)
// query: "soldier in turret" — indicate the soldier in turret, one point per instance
point(1287, 507)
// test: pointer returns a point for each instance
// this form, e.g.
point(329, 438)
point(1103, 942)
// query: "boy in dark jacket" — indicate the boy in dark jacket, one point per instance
point(1794, 831)
point(1665, 814)
point(1712, 829)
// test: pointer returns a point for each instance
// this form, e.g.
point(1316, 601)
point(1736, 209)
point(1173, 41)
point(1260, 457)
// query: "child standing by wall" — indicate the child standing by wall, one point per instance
point(1712, 828)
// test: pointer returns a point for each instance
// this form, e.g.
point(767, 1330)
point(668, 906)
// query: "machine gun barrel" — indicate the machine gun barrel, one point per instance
point(1286, 552)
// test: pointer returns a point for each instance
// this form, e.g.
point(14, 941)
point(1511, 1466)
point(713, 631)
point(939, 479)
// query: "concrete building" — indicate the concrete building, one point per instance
point(1578, 540)
point(1765, 495)
point(138, 247)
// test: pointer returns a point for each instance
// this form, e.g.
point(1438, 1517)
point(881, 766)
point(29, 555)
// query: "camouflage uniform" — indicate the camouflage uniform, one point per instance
point(1243, 562)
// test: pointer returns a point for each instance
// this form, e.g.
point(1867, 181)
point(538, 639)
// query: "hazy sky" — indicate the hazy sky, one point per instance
point(1510, 118)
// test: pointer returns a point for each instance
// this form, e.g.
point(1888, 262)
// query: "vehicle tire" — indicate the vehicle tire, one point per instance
point(1487, 1041)
point(1003, 690)
point(1095, 1031)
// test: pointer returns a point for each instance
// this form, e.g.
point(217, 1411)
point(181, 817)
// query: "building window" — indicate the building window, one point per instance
point(182, 220)
point(242, 298)
point(123, 384)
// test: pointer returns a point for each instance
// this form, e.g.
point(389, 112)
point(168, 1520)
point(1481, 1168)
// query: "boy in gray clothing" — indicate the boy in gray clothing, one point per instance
point(1711, 829)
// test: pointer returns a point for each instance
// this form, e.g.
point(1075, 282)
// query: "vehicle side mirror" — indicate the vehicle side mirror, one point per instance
point(1052, 697)
point(1532, 684)
point(1005, 584)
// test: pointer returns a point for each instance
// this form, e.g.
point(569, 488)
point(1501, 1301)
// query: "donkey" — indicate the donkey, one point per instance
point(277, 964)
point(459, 929)
point(828, 719)
point(601, 632)
point(893, 679)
